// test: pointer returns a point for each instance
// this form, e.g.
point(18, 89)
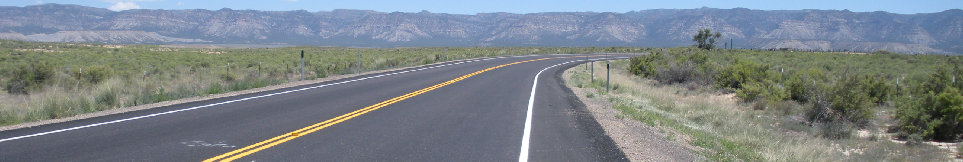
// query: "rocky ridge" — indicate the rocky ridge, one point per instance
point(936, 33)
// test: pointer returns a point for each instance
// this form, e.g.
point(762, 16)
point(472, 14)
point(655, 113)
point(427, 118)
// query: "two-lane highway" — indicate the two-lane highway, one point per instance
point(490, 109)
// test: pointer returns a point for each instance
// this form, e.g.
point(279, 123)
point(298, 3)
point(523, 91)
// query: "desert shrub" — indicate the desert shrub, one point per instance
point(27, 77)
point(767, 91)
point(851, 102)
point(214, 88)
point(8, 117)
point(107, 99)
point(741, 72)
point(914, 116)
point(645, 65)
point(843, 90)
point(227, 76)
point(775, 92)
point(750, 92)
point(882, 52)
point(96, 73)
point(935, 110)
point(949, 105)
point(676, 73)
point(55, 108)
point(320, 72)
point(16, 85)
point(845, 103)
point(877, 89)
point(673, 68)
point(797, 88)
point(837, 130)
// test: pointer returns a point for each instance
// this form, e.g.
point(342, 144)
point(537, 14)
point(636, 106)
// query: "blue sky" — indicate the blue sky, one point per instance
point(513, 6)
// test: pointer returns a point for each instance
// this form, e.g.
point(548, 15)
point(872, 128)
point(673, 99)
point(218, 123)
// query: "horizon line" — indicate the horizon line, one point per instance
point(497, 12)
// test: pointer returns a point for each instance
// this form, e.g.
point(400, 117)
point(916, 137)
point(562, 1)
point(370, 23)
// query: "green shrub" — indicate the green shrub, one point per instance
point(845, 103)
point(107, 99)
point(320, 72)
point(27, 77)
point(645, 65)
point(935, 110)
point(214, 88)
point(766, 90)
point(676, 73)
point(673, 68)
point(914, 116)
point(8, 117)
point(742, 72)
point(750, 92)
point(55, 108)
point(16, 85)
point(949, 105)
point(96, 73)
point(227, 76)
point(877, 89)
point(850, 102)
point(798, 89)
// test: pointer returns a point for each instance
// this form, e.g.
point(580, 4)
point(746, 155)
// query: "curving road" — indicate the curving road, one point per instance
point(489, 109)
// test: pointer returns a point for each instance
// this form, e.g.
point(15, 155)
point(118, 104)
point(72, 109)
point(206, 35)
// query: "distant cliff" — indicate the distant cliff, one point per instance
point(800, 29)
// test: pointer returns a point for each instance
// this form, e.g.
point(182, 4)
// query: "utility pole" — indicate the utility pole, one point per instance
point(302, 64)
point(606, 76)
point(359, 61)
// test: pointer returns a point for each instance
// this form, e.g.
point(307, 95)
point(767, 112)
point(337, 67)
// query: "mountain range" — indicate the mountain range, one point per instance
point(932, 33)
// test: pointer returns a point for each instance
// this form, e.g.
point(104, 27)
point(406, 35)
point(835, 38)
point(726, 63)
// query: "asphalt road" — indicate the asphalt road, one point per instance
point(470, 111)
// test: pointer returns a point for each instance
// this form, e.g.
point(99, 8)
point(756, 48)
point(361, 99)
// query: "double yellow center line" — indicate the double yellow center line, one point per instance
point(248, 150)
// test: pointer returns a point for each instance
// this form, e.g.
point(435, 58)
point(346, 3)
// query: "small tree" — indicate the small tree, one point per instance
point(706, 39)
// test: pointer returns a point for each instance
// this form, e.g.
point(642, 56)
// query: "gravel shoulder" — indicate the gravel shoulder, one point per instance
point(638, 141)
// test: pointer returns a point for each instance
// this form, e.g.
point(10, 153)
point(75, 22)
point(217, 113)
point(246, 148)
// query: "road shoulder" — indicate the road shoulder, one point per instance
point(638, 141)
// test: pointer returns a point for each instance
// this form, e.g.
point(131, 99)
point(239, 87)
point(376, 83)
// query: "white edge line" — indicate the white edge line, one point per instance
point(213, 104)
point(525, 139)
point(527, 133)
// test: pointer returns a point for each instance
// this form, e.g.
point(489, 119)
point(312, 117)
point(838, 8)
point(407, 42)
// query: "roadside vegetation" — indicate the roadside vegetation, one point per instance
point(42, 81)
point(726, 127)
point(841, 92)
point(753, 105)
point(838, 97)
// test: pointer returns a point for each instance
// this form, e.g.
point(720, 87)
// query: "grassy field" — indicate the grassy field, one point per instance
point(730, 129)
point(56, 80)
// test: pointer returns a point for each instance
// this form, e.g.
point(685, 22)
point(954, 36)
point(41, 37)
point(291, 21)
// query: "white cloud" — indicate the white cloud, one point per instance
point(120, 6)
point(39, 1)
point(291, 0)
point(179, 3)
